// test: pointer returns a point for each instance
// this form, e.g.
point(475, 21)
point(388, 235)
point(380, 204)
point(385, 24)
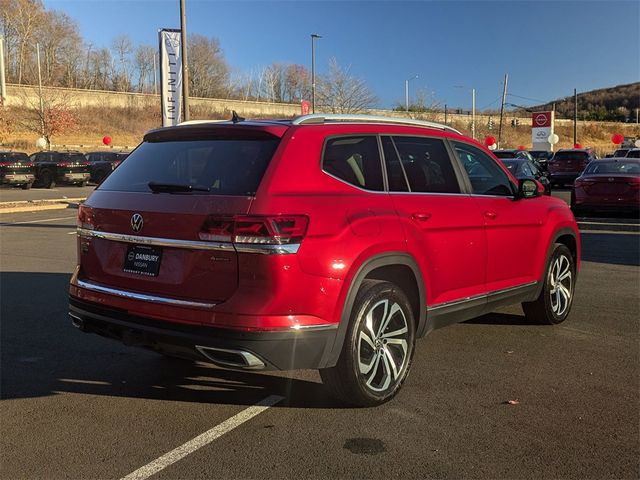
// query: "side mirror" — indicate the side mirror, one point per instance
point(529, 188)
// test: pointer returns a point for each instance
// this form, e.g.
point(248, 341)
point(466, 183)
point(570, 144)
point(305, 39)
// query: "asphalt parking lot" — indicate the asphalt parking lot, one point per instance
point(78, 406)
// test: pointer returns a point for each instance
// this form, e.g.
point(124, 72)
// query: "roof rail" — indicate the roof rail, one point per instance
point(338, 117)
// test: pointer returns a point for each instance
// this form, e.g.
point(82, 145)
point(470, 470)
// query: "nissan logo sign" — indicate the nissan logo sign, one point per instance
point(136, 222)
point(541, 119)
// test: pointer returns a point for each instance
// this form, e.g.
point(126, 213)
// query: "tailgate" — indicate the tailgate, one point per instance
point(120, 251)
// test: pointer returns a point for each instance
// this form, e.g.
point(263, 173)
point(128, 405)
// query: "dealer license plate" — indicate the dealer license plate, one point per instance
point(142, 260)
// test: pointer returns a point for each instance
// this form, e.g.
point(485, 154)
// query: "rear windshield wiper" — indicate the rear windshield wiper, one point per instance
point(157, 187)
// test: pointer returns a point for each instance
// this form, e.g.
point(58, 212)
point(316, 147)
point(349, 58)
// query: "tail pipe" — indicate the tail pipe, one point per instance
point(231, 358)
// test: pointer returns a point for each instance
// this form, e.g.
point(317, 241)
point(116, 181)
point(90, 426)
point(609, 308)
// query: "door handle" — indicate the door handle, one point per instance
point(421, 216)
point(490, 214)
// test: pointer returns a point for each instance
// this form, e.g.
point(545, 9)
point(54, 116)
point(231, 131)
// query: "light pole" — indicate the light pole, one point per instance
point(473, 110)
point(313, 71)
point(406, 92)
point(185, 66)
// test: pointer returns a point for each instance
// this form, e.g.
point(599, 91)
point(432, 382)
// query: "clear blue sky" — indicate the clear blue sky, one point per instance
point(547, 47)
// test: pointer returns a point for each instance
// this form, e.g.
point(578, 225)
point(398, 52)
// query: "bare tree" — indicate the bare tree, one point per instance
point(208, 70)
point(143, 59)
point(340, 92)
point(123, 48)
point(21, 19)
point(61, 44)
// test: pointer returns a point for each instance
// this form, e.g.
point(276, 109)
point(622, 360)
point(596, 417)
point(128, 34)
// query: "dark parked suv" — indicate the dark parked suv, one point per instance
point(16, 169)
point(567, 165)
point(60, 167)
point(103, 163)
point(328, 242)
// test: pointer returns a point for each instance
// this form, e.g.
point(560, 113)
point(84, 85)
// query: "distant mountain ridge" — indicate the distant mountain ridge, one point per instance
point(617, 103)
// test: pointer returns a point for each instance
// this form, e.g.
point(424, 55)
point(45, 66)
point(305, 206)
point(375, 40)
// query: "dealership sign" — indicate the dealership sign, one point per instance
point(170, 77)
point(541, 130)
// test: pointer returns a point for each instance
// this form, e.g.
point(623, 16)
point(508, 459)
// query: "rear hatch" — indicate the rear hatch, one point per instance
point(568, 162)
point(611, 187)
point(160, 223)
point(15, 163)
point(72, 164)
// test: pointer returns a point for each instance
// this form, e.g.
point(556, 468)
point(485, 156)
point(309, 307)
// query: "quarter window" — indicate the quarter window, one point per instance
point(356, 160)
point(426, 165)
point(485, 175)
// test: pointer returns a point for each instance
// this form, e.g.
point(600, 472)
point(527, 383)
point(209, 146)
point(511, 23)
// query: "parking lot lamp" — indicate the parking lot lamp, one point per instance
point(313, 71)
point(406, 92)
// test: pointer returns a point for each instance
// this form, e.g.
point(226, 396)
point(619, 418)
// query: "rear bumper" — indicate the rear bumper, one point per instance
point(17, 179)
point(270, 350)
point(73, 177)
point(564, 176)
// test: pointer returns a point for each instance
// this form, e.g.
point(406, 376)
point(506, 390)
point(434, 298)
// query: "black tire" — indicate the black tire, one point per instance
point(552, 305)
point(26, 186)
point(46, 179)
point(100, 175)
point(346, 380)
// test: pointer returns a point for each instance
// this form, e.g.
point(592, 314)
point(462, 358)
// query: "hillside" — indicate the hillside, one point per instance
point(616, 104)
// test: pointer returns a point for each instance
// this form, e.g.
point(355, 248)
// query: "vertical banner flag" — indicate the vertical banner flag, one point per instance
point(305, 107)
point(170, 77)
point(541, 129)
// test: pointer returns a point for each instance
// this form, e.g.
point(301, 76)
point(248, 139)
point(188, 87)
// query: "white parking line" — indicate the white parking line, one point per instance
point(203, 439)
point(38, 221)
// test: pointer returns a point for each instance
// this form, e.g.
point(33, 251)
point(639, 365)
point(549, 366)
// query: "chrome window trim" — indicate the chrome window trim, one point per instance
point(141, 296)
point(479, 297)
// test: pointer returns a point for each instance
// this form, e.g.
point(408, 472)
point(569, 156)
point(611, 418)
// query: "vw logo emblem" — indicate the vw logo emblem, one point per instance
point(136, 222)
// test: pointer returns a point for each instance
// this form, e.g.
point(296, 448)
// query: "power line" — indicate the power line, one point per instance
point(526, 98)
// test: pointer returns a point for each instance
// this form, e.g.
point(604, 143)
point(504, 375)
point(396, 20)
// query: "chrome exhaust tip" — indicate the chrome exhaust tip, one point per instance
point(76, 321)
point(231, 358)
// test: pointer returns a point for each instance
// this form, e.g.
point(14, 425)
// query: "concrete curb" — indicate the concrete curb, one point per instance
point(38, 205)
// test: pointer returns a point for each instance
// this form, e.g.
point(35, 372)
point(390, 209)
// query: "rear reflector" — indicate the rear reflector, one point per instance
point(259, 229)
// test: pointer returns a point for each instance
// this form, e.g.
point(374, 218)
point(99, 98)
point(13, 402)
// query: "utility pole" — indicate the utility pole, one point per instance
point(3, 86)
point(504, 99)
point(40, 92)
point(313, 71)
point(473, 113)
point(575, 116)
point(445, 113)
point(185, 65)
point(155, 75)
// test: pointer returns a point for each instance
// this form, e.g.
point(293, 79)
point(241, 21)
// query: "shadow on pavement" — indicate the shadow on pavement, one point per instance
point(501, 319)
point(613, 248)
point(42, 354)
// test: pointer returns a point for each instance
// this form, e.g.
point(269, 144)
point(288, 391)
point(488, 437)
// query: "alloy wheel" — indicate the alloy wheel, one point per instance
point(383, 346)
point(560, 279)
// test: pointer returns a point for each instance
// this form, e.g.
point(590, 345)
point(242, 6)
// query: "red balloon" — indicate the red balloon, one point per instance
point(106, 140)
point(617, 138)
point(489, 140)
point(577, 145)
point(521, 147)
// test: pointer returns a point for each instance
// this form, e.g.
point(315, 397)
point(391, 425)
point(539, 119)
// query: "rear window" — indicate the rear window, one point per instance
point(72, 157)
point(505, 154)
point(224, 166)
point(608, 168)
point(14, 157)
point(570, 156)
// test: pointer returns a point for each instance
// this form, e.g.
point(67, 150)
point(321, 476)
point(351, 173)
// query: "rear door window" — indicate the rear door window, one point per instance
point(217, 166)
point(355, 160)
point(426, 164)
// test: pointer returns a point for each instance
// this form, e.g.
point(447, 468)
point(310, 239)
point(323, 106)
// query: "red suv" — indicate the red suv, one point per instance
point(328, 242)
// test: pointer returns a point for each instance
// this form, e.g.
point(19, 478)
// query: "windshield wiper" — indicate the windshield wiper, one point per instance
point(157, 187)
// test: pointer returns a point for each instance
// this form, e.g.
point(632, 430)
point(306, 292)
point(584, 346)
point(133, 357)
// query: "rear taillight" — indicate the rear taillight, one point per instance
point(63, 164)
point(262, 229)
point(85, 217)
point(583, 183)
point(5, 164)
point(115, 164)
